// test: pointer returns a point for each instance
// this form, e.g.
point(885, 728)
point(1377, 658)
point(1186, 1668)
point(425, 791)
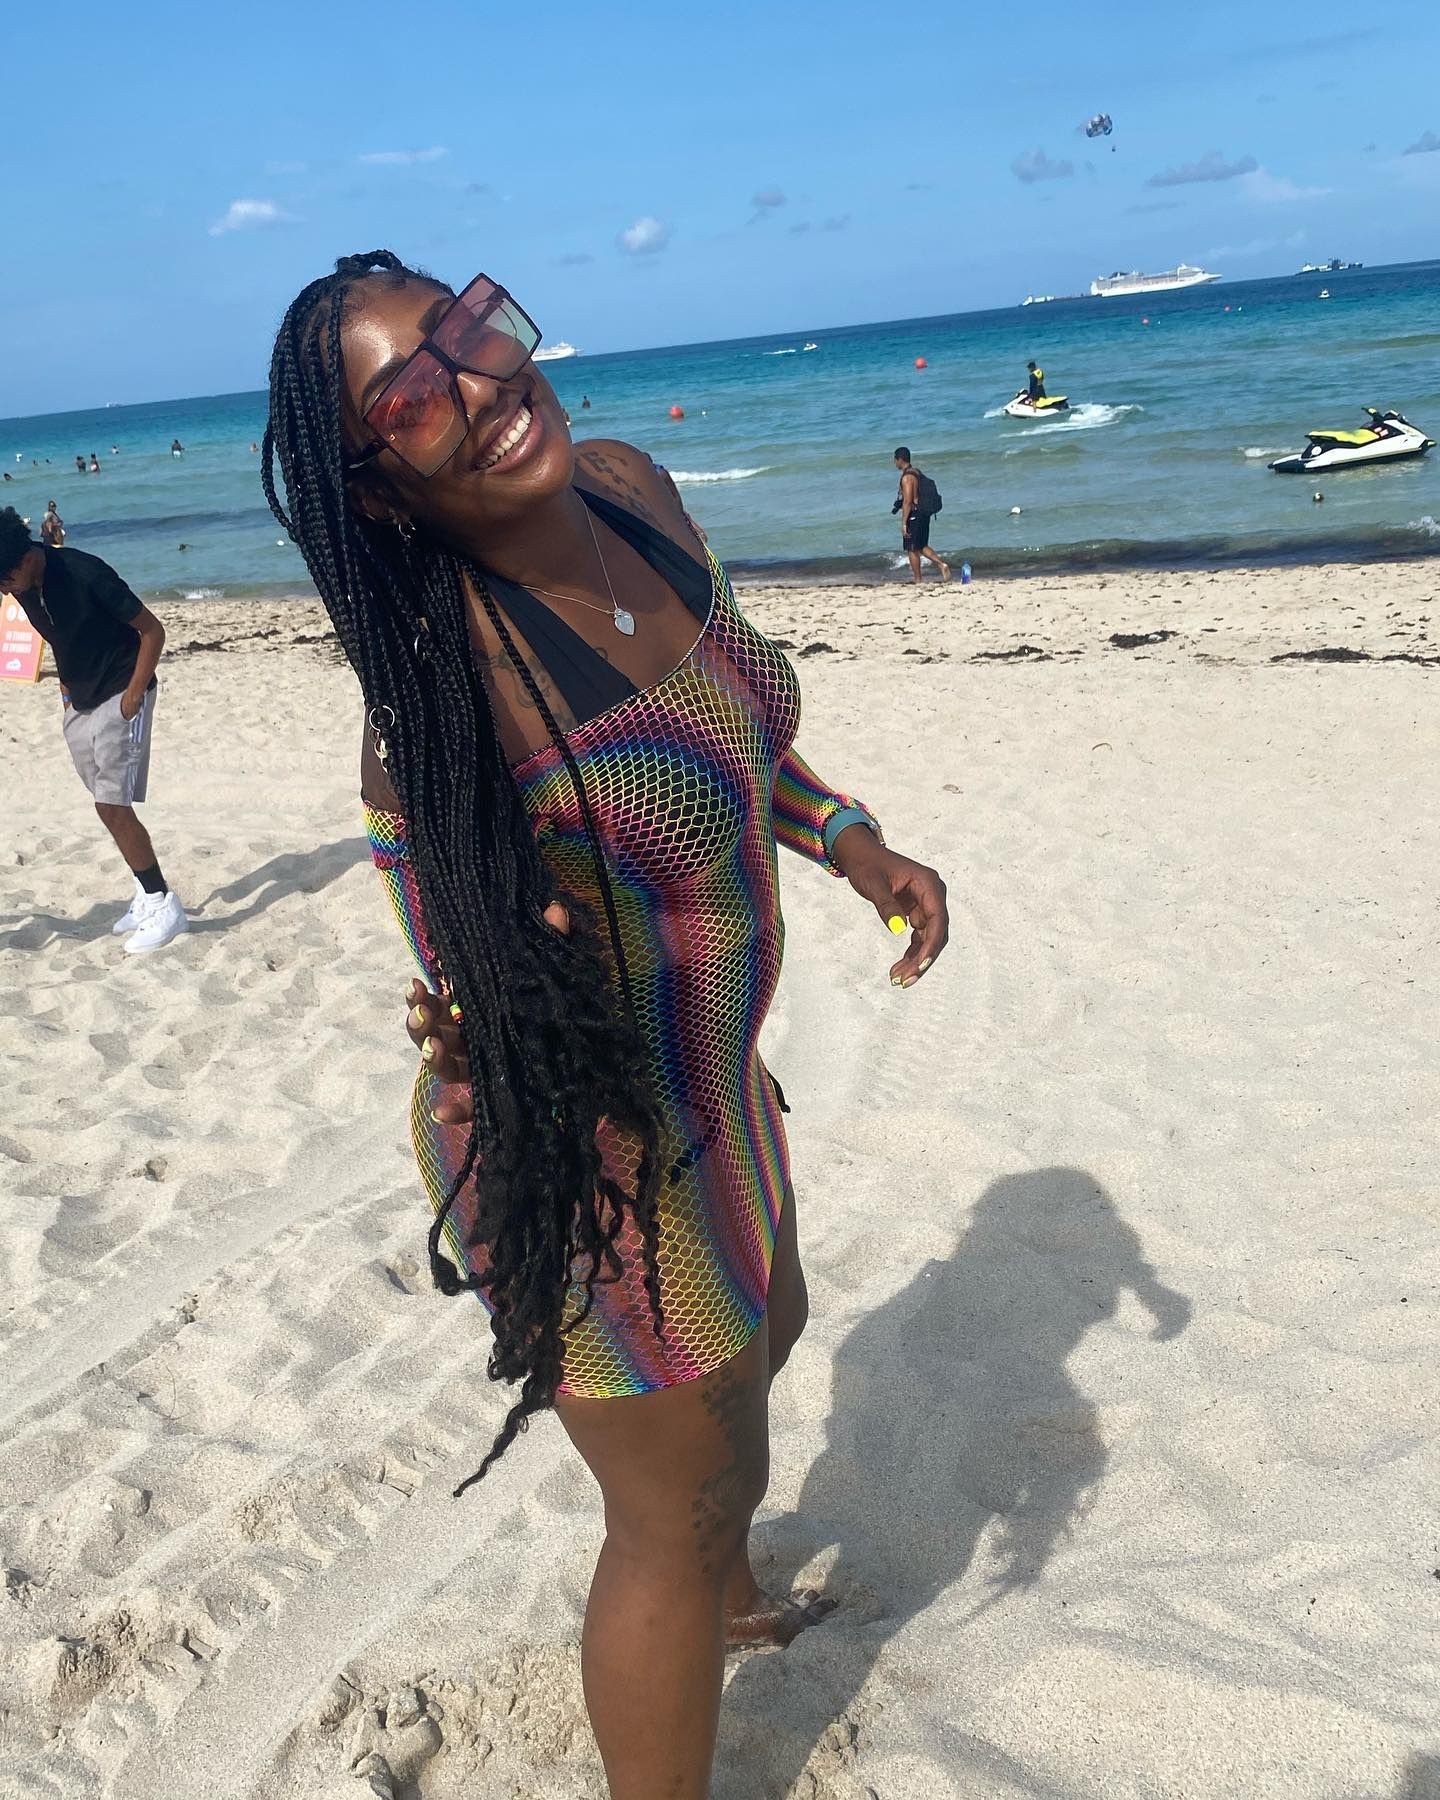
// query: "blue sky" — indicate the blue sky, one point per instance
point(665, 173)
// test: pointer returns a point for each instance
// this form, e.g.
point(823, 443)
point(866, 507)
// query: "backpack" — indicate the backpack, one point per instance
point(927, 495)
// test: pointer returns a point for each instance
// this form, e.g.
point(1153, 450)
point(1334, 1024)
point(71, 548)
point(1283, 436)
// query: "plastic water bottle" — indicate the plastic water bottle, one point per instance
point(964, 574)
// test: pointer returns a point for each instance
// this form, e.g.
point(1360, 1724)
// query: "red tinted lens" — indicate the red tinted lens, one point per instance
point(487, 332)
point(416, 414)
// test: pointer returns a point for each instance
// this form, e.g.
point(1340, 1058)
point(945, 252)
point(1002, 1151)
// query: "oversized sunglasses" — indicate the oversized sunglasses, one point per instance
point(420, 413)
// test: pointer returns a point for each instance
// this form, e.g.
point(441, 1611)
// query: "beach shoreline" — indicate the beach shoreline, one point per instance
point(1324, 611)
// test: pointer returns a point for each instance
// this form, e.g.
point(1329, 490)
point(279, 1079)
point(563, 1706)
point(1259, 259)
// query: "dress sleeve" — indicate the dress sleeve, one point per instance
point(439, 1149)
point(808, 813)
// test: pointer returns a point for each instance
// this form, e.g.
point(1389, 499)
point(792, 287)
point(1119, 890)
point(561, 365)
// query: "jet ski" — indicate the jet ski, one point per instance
point(1023, 407)
point(1387, 438)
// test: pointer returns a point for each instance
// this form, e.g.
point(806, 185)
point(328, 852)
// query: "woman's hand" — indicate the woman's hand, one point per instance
point(441, 1043)
point(438, 1038)
point(902, 892)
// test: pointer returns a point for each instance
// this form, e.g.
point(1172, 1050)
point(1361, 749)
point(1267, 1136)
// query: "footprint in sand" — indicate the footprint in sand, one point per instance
point(394, 1741)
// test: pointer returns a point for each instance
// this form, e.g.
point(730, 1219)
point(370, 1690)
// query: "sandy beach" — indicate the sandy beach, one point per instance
point(1114, 1431)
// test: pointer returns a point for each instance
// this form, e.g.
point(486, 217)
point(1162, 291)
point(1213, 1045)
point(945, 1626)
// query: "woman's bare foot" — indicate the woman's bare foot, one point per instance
point(776, 1620)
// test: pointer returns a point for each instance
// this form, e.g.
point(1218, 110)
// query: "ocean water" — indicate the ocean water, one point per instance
point(784, 453)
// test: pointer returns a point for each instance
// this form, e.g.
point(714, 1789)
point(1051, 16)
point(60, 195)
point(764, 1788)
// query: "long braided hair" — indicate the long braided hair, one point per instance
point(553, 1045)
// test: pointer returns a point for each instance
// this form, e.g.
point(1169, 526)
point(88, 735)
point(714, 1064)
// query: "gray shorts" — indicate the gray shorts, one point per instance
point(112, 753)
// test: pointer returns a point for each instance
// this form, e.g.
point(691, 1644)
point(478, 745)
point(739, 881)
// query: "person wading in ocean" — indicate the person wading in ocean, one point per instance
point(917, 503)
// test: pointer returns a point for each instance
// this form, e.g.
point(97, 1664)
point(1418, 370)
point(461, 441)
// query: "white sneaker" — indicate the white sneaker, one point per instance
point(130, 918)
point(161, 917)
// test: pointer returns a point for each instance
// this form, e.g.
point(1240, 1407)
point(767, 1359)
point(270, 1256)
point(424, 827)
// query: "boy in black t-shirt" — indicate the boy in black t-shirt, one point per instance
point(106, 646)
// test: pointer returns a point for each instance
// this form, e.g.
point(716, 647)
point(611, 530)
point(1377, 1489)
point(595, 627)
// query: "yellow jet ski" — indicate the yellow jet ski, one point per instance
point(1054, 406)
point(1389, 437)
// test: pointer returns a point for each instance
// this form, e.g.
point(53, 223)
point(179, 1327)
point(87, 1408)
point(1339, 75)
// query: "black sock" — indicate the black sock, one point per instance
point(152, 880)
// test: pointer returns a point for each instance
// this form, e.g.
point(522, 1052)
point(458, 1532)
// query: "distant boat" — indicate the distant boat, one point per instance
point(1186, 276)
point(811, 346)
point(1045, 299)
point(555, 352)
point(1333, 267)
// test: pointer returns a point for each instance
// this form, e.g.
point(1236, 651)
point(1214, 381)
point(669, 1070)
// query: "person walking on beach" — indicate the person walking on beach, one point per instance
point(106, 646)
point(52, 528)
point(577, 762)
point(917, 503)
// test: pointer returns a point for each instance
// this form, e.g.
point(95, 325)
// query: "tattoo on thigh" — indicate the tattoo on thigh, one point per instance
point(728, 1399)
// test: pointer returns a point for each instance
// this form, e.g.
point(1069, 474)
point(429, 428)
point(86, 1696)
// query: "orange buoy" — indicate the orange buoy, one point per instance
point(677, 412)
point(920, 363)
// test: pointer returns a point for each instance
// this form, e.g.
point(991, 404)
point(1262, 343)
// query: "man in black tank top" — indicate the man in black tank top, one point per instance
point(914, 520)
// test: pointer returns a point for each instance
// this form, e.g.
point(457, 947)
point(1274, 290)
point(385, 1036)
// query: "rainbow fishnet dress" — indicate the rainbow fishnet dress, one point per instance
point(692, 782)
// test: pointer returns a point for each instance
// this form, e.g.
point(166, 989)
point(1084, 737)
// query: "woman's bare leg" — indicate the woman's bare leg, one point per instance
point(753, 1617)
point(682, 1471)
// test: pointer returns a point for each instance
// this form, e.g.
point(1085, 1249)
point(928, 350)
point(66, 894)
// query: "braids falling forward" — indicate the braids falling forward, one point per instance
point(553, 1048)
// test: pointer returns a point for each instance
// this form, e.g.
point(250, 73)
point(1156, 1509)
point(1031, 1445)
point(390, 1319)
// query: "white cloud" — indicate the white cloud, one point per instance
point(645, 237)
point(1035, 165)
point(433, 154)
point(243, 214)
point(285, 168)
point(766, 201)
point(1212, 166)
point(1255, 247)
point(1277, 190)
point(1424, 145)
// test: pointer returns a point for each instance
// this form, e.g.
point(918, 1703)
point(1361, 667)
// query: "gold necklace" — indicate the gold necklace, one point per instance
point(623, 621)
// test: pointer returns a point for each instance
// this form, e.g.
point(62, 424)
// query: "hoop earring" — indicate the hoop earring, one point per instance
point(406, 528)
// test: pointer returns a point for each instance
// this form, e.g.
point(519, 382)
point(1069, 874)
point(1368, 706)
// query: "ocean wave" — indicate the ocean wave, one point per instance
point(1253, 452)
point(201, 593)
point(1430, 527)
point(789, 352)
point(679, 475)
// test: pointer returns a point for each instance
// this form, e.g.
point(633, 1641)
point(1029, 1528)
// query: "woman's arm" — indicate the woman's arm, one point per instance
point(810, 816)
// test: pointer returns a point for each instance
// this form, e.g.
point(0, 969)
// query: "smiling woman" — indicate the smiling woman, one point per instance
point(575, 806)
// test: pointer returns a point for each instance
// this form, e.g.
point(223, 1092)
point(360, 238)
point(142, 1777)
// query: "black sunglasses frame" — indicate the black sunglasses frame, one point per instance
point(454, 369)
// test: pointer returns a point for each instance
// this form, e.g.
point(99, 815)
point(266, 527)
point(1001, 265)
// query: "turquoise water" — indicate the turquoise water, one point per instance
point(784, 453)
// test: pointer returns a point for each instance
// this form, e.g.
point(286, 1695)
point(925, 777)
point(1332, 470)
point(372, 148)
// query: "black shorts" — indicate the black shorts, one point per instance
point(917, 532)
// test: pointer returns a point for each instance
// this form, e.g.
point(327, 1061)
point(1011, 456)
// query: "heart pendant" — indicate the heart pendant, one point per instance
point(624, 622)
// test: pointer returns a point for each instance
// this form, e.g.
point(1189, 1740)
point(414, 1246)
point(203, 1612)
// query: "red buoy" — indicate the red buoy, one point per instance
point(920, 363)
point(677, 412)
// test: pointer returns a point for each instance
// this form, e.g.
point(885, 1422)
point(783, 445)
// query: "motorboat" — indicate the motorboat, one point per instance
point(1389, 437)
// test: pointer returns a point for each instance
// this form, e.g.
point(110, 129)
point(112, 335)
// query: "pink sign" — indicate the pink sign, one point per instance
point(21, 645)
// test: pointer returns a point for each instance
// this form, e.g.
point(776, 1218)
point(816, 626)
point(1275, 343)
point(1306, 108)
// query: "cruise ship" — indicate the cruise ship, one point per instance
point(555, 352)
point(1135, 283)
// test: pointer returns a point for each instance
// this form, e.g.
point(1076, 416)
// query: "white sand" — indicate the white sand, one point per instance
point(1115, 1428)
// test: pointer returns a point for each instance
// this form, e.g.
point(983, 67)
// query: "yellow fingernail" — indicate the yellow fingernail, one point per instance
point(909, 981)
point(926, 964)
point(896, 924)
point(894, 981)
point(428, 1049)
point(417, 1017)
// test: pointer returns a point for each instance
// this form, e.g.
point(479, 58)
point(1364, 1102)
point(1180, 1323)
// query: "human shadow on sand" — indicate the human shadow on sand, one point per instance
point(1421, 1779)
point(952, 1416)
point(292, 872)
point(296, 871)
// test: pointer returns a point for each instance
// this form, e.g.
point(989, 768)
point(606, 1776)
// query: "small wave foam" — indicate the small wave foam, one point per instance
point(789, 352)
point(1088, 417)
point(696, 475)
point(201, 593)
point(1253, 452)
point(1430, 527)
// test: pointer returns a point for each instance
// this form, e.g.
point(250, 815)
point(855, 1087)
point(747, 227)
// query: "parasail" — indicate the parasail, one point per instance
point(1100, 126)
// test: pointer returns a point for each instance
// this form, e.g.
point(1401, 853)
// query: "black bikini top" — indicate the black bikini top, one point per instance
point(588, 683)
